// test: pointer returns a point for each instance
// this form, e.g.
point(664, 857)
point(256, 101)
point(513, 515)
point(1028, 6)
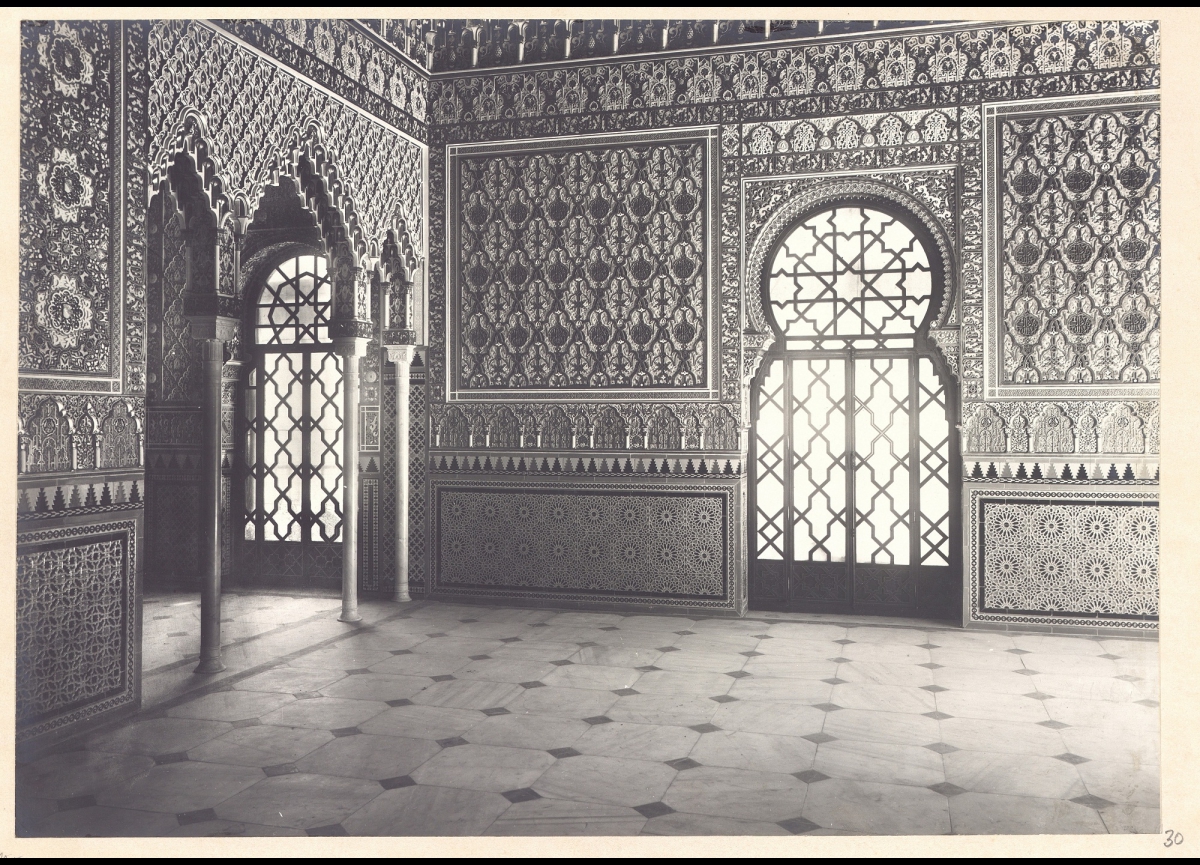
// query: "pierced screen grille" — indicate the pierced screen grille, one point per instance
point(852, 501)
point(293, 441)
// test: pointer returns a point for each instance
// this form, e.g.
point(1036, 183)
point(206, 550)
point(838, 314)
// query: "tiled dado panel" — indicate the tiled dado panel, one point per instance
point(78, 620)
point(1061, 555)
point(586, 541)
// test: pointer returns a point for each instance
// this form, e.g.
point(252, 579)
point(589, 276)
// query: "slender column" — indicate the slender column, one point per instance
point(350, 355)
point(210, 496)
point(402, 356)
point(212, 332)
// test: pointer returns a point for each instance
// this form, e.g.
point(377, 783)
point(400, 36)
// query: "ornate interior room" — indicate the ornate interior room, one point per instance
point(588, 426)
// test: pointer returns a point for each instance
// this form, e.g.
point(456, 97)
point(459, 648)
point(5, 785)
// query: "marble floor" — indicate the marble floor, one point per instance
point(449, 719)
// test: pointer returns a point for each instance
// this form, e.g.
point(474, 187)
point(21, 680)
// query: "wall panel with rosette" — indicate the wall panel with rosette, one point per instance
point(81, 358)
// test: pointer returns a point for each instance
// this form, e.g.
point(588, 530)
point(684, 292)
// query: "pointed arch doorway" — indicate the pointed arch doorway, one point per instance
point(853, 503)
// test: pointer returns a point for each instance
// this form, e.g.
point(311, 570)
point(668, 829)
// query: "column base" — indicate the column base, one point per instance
point(349, 617)
point(403, 599)
point(209, 665)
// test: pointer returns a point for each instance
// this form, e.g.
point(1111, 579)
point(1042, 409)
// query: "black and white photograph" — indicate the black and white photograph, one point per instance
point(588, 426)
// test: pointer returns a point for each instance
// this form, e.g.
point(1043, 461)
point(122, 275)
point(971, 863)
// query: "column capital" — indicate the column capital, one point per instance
point(400, 354)
point(220, 327)
point(350, 346)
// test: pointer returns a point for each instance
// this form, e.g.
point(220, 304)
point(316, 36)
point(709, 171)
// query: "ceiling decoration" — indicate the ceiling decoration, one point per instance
point(450, 45)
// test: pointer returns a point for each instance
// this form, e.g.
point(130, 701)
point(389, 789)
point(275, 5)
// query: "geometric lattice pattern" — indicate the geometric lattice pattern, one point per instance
point(583, 268)
point(1080, 209)
point(1094, 559)
point(296, 303)
point(71, 620)
point(655, 544)
point(850, 272)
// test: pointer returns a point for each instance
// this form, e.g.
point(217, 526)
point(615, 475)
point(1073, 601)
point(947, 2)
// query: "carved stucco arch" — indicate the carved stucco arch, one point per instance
point(759, 334)
point(303, 157)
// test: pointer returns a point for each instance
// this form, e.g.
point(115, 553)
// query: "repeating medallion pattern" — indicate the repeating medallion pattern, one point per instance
point(639, 544)
point(1080, 226)
point(583, 268)
point(68, 307)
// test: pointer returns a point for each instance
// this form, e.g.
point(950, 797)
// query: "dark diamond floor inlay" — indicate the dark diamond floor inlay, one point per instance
point(810, 776)
point(188, 818)
point(532, 684)
point(281, 769)
point(307, 695)
point(649, 668)
point(798, 825)
point(928, 646)
point(340, 732)
point(1025, 671)
point(723, 698)
point(834, 681)
point(762, 636)
point(947, 789)
point(358, 671)
point(937, 716)
point(480, 657)
point(843, 642)
point(1110, 657)
point(827, 707)
point(176, 757)
point(562, 663)
point(934, 689)
point(1017, 652)
point(403, 701)
point(819, 738)
point(667, 649)
point(1150, 703)
point(942, 748)
point(931, 666)
point(654, 809)
point(445, 678)
point(685, 633)
point(399, 781)
point(1038, 695)
point(1090, 801)
point(704, 728)
point(246, 722)
point(525, 794)
point(562, 753)
point(625, 692)
point(738, 674)
point(1073, 759)
point(497, 710)
point(510, 639)
point(840, 660)
point(598, 719)
point(401, 651)
point(610, 628)
point(683, 763)
point(452, 742)
point(751, 654)
point(1053, 725)
point(587, 645)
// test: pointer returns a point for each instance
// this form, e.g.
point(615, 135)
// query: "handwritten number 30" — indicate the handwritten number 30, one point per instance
point(1174, 838)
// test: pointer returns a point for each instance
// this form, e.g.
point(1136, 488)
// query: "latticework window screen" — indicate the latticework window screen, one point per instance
point(852, 438)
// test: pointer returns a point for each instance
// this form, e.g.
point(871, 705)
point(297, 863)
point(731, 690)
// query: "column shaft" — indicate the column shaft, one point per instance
point(403, 360)
point(350, 489)
point(210, 495)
